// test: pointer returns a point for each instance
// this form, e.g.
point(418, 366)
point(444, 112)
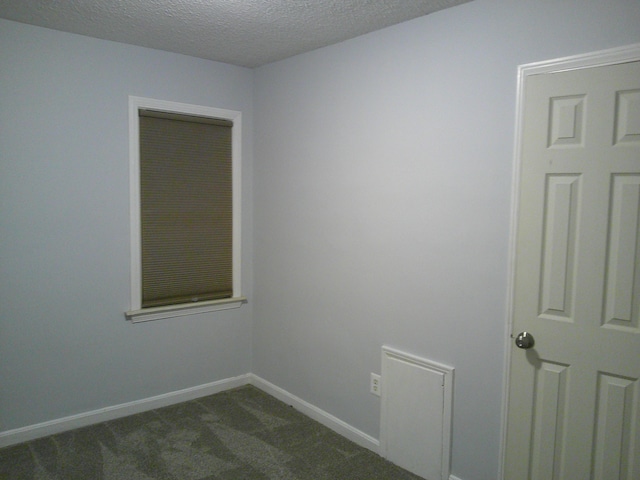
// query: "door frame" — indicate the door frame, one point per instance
point(600, 58)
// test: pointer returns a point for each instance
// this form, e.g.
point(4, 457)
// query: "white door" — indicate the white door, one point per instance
point(574, 396)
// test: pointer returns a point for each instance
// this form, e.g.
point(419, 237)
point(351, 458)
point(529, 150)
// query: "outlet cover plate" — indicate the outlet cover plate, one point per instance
point(374, 385)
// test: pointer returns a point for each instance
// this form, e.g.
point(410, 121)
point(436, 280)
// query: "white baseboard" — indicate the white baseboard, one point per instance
point(31, 432)
point(317, 414)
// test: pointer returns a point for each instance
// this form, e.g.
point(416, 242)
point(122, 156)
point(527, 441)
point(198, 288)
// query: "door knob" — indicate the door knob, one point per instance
point(525, 340)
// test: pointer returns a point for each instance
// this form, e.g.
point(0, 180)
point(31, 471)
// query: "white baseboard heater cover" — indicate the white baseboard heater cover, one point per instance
point(415, 424)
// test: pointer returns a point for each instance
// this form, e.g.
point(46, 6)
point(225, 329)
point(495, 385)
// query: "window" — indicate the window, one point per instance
point(185, 209)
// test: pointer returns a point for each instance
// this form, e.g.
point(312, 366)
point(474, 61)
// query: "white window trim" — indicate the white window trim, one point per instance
point(136, 312)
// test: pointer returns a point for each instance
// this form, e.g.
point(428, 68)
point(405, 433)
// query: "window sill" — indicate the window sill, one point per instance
point(170, 311)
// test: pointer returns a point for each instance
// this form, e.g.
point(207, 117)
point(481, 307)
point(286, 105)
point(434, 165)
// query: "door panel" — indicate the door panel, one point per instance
point(574, 398)
point(623, 255)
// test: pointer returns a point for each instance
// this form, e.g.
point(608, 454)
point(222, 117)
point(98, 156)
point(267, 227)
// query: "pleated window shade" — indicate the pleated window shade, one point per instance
point(186, 208)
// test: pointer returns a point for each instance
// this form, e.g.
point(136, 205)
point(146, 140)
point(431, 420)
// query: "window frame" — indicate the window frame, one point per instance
point(136, 312)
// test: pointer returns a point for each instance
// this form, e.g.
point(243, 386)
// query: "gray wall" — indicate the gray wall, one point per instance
point(382, 204)
point(65, 346)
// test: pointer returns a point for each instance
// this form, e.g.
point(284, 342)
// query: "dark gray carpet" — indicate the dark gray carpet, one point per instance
point(238, 434)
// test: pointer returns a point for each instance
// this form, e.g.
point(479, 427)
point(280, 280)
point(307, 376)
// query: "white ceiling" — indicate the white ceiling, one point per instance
point(249, 33)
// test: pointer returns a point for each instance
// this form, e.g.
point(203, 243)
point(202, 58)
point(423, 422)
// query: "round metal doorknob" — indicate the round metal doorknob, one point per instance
point(525, 340)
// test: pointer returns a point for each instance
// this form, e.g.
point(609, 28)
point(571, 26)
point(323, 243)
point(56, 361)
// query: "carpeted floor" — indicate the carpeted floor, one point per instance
point(238, 434)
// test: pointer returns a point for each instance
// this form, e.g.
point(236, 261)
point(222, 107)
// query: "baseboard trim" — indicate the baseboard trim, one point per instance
point(317, 414)
point(31, 432)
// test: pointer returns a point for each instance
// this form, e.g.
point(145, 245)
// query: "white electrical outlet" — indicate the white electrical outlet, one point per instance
point(374, 386)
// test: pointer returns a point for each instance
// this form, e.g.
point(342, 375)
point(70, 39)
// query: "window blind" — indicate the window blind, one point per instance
point(186, 208)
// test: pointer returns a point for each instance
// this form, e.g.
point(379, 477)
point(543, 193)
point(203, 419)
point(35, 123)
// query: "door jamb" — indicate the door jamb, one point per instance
point(625, 54)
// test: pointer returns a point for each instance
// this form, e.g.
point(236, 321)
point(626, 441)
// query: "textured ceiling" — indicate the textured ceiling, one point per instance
point(241, 32)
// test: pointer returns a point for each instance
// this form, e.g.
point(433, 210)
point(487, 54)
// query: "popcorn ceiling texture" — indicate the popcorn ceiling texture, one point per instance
point(248, 33)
